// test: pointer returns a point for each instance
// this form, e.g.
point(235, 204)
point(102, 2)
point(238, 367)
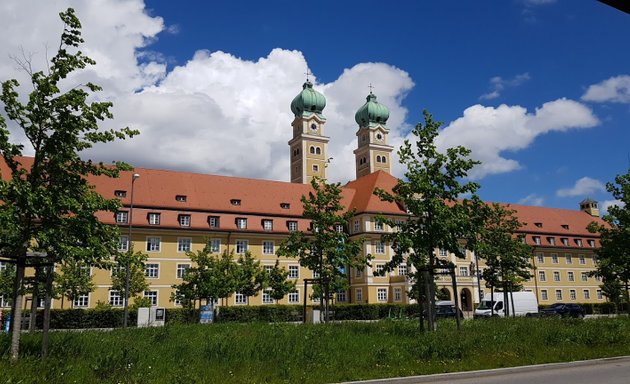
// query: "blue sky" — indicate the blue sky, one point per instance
point(539, 89)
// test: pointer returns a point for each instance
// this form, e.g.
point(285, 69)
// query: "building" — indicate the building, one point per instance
point(176, 212)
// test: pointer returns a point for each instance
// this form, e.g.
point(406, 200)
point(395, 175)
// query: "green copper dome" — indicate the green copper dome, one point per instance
point(308, 101)
point(372, 112)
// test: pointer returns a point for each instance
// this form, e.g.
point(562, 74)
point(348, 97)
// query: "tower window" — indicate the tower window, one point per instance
point(379, 136)
point(315, 168)
point(318, 151)
point(311, 149)
point(314, 126)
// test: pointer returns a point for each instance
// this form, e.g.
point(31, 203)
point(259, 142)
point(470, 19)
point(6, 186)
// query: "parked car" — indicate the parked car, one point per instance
point(564, 310)
point(445, 309)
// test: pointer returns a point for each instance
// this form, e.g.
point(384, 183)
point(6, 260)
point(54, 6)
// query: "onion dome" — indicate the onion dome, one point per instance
point(372, 112)
point(308, 101)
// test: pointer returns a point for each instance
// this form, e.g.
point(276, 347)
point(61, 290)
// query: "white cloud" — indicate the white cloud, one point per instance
point(532, 199)
point(605, 205)
point(498, 84)
point(583, 187)
point(490, 132)
point(616, 90)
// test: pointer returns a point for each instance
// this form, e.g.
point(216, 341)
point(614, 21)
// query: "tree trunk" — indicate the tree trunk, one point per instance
point(418, 288)
point(512, 302)
point(20, 266)
point(627, 299)
point(47, 301)
point(492, 300)
point(429, 306)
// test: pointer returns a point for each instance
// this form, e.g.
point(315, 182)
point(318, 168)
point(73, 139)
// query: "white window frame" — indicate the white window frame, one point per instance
point(154, 243)
point(155, 218)
point(572, 294)
point(570, 276)
point(181, 269)
point(379, 247)
point(123, 243)
point(541, 258)
point(294, 272)
point(381, 295)
point(397, 294)
point(463, 271)
point(357, 226)
point(152, 296)
point(341, 296)
point(268, 225)
point(294, 297)
point(542, 276)
point(266, 297)
point(241, 223)
point(292, 225)
point(568, 258)
point(584, 276)
point(122, 217)
point(81, 301)
point(556, 276)
point(213, 221)
point(582, 259)
point(600, 294)
point(152, 270)
point(184, 220)
point(239, 298)
point(268, 247)
point(587, 294)
point(402, 269)
point(554, 258)
point(242, 246)
point(358, 293)
point(115, 299)
point(378, 225)
point(184, 244)
point(378, 269)
point(214, 245)
point(559, 294)
point(443, 252)
point(544, 295)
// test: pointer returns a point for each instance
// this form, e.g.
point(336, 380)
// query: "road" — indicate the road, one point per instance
point(605, 371)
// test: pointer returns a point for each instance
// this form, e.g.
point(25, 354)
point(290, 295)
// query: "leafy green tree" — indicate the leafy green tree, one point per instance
point(48, 206)
point(505, 254)
point(326, 249)
point(7, 281)
point(430, 192)
point(613, 257)
point(278, 283)
point(137, 277)
point(75, 280)
point(250, 276)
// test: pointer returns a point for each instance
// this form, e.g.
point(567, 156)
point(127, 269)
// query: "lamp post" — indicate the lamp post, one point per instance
point(478, 273)
point(134, 177)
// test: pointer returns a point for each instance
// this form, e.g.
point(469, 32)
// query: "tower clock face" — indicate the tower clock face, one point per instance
point(314, 127)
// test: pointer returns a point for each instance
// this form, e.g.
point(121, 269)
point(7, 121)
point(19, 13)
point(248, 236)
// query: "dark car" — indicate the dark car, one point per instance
point(564, 310)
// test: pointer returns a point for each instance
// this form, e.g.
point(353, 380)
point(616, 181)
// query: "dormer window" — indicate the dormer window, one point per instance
point(154, 218)
point(213, 221)
point(181, 198)
point(536, 240)
point(120, 193)
point(551, 240)
point(241, 223)
point(292, 225)
point(285, 205)
point(184, 220)
point(565, 226)
point(565, 241)
point(578, 242)
point(235, 202)
point(591, 243)
point(121, 217)
point(267, 224)
point(538, 225)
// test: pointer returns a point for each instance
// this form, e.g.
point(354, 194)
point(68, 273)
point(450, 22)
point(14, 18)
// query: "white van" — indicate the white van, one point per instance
point(525, 304)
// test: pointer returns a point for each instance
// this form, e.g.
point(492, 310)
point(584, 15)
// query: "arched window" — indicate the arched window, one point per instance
point(312, 150)
point(383, 159)
point(318, 151)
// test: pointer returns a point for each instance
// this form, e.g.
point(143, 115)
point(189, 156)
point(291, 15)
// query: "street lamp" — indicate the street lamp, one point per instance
point(134, 177)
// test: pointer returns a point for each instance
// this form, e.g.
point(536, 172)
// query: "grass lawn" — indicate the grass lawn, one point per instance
point(288, 353)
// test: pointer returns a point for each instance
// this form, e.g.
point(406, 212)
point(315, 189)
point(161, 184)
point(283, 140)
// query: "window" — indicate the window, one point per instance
point(358, 293)
point(151, 270)
point(558, 294)
point(556, 276)
point(180, 198)
point(311, 149)
point(152, 296)
point(463, 271)
point(184, 220)
point(554, 258)
point(600, 296)
point(379, 268)
point(378, 225)
point(565, 241)
point(569, 258)
point(536, 240)
point(339, 228)
point(541, 258)
point(341, 296)
point(181, 270)
point(153, 244)
point(538, 225)
point(541, 276)
point(379, 248)
point(587, 294)
point(358, 273)
point(584, 276)
point(544, 295)
point(267, 225)
point(318, 151)
point(294, 271)
point(294, 297)
point(357, 226)
point(315, 168)
point(268, 269)
point(268, 247)
point(241, 223)
point(214, 245)
point(578, 242)
point(213, 221)
point(565, 226)
point(381, 294)
point(591, 243)
point(235, 202)
point(292, 225)
point(114, 299)
point(551, 240)
point(570, 276)
point(315, 275)
point(121, 217)
point(184, 244)
point(154, 218)
point(443, 252)
point(123, 243)
point(241, 246)
point(120, 193)
point(81, 301)
point(582, 259)
point(285, 205)
point(266, 297)
point(402, 270)
point(397, 294)
point(239, 298)
point(572, 294)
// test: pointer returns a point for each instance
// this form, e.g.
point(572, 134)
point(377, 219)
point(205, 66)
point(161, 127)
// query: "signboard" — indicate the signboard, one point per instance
point(206, 314)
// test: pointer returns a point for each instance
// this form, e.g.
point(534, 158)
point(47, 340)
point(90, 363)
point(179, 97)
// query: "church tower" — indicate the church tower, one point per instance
point(372, 153)
point(308, 145)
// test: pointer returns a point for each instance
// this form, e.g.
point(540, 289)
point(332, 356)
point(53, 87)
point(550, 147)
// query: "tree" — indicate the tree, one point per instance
point(505, 254)
point(7, 280)
point(250, 276)
point(135, 261)
point(48, 209)
point(75, 280)
point(613, 257)
point(277, 281)
point(326, 249)
point(430, 193)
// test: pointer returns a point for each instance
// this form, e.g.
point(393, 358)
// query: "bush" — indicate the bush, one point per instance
point(265, 313)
